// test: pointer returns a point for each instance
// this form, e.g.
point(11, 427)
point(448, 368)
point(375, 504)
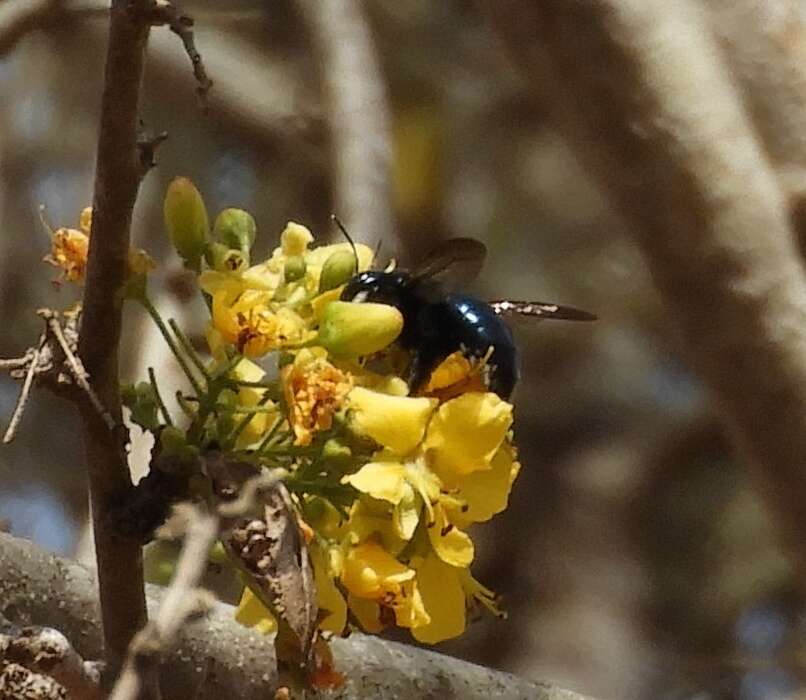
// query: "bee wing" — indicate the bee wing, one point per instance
point(461, 256)
point(539, 309)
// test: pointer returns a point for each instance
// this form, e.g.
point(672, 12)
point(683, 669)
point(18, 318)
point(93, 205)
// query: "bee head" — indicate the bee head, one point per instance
point(377, 286)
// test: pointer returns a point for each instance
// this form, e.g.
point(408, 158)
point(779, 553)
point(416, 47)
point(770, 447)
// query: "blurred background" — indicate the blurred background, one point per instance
point(635, 560)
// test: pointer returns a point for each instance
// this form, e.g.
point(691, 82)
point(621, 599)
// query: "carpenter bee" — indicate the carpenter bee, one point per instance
point(437, 323)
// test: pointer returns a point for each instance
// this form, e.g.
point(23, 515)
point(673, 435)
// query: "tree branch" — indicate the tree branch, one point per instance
point(643, 95)
point(117, 179)
point(218, 658)
point(358, 115)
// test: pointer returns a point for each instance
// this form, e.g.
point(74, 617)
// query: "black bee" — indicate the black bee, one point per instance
point(437, 323)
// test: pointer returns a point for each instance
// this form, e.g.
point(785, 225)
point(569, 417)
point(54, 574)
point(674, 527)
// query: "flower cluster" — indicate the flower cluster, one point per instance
point(386, 484)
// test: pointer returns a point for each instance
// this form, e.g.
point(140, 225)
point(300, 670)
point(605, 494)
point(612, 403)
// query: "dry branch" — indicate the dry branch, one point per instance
point(218, 658)
point(643, 94)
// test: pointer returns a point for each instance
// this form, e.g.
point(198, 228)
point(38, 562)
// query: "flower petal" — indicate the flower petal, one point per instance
point(444, 600)
point(466, 432)
point(367, 612)
point(406, 515)
point(330, 599)
point(396, 422)
point(371, 572)
point(383, 480)
point(451, 544)
point(252, 613)
point(486, 493)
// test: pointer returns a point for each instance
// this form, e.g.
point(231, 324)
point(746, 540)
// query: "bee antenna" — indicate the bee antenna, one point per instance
point(343, 229)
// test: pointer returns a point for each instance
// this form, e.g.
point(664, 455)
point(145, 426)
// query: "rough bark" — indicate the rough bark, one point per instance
point(218, 658)
point(117, 180)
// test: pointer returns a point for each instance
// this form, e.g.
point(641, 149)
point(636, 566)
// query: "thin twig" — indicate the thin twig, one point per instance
point(16, 362)
point(22, 399)
point(166, 13)
point(76, 367)
point(147, 146)
point(182, 602)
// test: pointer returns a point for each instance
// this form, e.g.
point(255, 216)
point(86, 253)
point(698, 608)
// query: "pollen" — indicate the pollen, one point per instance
point(314, 391)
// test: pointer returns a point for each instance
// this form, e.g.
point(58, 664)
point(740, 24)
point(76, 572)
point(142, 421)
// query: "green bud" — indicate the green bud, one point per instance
point(128, 395)
point(225, 259)
point(348, 329)
point(141, 400)
point(236, 229)
point(335, 449)
point(186, 220)
point(218, 555)
point(337, 270)
point(172, 440)
point(294, 268)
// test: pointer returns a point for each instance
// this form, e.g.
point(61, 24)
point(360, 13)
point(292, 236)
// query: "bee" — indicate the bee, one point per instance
point(437, 323)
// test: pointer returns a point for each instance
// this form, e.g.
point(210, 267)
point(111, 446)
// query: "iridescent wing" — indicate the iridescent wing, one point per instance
point(539, 309)
point(463, 257)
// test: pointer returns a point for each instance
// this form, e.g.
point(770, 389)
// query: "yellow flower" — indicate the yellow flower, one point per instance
point(371, 573)
point(251, 326)
point(407, 487)
point(456, 375)
point(443, 596)
point(466, 432)
point(295, 239)
point(252, 613)
point(397, 423)
point(70, 250)
point(247, 371)
point(483, 494)
point(370, 519)
point(452, 545)
point(314, 391)
point(332, 606)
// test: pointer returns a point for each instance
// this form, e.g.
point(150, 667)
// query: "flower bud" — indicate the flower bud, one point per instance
point(172, 440)
point(353, 330)
point(338, 269)
point(222, 258)
point(186, 220)
point(295, 239)
point(141, 400)
point(236, 229)
point(294, 268)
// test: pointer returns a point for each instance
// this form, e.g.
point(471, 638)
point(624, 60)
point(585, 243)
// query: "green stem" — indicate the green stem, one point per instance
point(155, 316)
point(251, 410)
point(272, 432)
point(233, 437)
point(188, 348)
point(160, 403)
